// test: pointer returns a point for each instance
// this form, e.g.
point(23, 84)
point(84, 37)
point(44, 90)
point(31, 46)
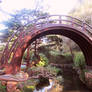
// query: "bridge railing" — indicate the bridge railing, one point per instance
point(61, 19)
point(39, 23)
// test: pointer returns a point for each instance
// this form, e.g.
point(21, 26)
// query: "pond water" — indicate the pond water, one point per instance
point(71, 83)
point(23, 66)
point(45, 88)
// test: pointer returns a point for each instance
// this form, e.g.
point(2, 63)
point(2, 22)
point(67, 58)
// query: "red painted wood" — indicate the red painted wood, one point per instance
point(70, 27)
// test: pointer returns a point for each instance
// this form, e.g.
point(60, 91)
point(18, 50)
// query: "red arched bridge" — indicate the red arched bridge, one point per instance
point(73, 28)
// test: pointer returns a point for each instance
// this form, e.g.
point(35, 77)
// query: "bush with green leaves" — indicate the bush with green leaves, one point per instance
point(60, 79)
point(52, 70)
point(43, 60)
point(79, 60)
point(27, 88)
point(2, 88)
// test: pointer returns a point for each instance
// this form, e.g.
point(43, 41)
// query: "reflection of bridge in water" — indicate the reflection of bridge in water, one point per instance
point(70, 27)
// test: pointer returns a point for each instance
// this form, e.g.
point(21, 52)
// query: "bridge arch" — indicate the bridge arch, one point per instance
point(77, 33)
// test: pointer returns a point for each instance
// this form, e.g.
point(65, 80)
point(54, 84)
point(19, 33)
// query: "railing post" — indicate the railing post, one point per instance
point(72, 22)
point(60, 19)
point(47, 20)
point(83, 25)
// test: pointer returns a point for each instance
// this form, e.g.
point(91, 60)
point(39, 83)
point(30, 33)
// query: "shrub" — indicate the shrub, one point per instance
point(2, 87)
point(28, 89)
point(79, 60)
point(55, 53)
point(43, 60)
point(52, 70)
point(67, 54)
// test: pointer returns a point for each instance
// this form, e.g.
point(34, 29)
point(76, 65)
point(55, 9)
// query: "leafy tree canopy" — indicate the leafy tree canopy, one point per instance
point(22, 17)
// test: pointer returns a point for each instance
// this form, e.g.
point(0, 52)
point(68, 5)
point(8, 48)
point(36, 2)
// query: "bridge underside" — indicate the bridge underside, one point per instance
point(76, 35)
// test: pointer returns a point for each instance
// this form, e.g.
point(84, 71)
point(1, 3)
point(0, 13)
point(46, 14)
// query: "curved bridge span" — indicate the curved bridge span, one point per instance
point(75, 29)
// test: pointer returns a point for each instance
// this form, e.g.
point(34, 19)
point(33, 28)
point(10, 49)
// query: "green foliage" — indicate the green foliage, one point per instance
point(43, 60)
point(55, 53)
point(55, 41)
point(82, 75)
point(49, 69)
point(60, 79)
point(22, 17)
point(67, 54)
point(52, 70)
point(79, 60)
point(28, 86)
point(2, 88)
point(41, 63)
point(28, 89)
point(19, 19)
point(32, 57)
